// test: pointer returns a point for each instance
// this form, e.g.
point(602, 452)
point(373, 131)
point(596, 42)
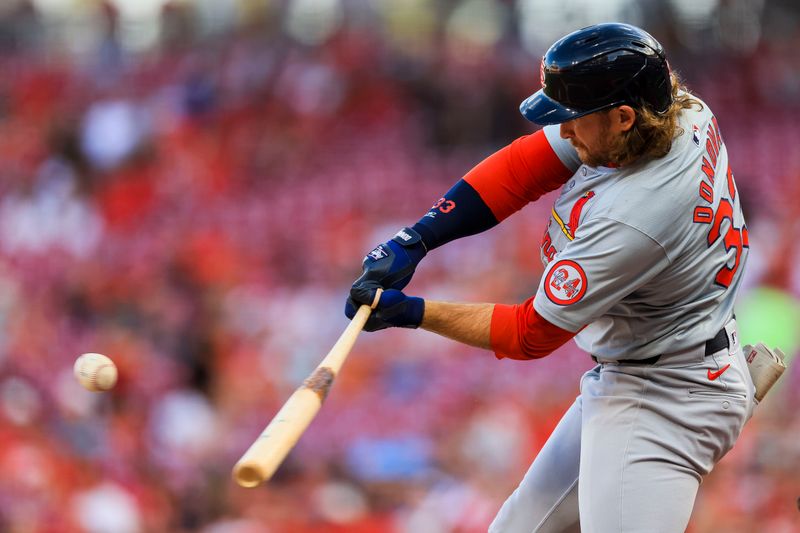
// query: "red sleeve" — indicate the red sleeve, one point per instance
point(518, 174)
point(519, 332)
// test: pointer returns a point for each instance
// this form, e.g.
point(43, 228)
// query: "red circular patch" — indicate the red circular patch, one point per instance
point(565, 283)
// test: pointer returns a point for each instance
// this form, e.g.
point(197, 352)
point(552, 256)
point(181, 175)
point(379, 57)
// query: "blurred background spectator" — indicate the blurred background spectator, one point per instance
point(189, 187)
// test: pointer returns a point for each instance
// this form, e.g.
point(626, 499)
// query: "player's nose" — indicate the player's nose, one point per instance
point(567, 131)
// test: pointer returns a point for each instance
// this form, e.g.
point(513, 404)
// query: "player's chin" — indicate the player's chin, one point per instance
point(592, 159)
point(585, 157)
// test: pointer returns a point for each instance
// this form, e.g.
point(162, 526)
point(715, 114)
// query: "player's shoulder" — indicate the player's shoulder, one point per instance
point(653, 209)
point(651, 197)
point(642, 198)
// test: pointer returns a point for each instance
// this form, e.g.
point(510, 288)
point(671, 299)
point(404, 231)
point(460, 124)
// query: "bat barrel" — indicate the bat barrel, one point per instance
point(269, 450)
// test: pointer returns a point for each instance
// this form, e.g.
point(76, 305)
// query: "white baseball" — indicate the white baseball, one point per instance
point(95, 372)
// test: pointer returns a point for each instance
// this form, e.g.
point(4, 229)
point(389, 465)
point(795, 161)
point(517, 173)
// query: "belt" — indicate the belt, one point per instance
point(719, 342)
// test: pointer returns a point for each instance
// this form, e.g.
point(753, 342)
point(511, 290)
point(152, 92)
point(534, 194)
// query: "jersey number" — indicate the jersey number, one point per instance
point(444, 205)
point(734, 238)
point(562, 282)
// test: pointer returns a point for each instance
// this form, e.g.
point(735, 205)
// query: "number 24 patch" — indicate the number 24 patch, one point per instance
point(565, 283)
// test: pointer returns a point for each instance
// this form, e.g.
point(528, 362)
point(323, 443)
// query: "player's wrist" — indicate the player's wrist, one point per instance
point(414, 313)
point(409, 242)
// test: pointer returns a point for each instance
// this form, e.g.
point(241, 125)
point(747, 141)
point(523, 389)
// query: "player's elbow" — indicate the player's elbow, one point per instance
point(525, 352)
point(531, 349)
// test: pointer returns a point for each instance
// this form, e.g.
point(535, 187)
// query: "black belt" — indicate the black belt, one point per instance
point(719, 342)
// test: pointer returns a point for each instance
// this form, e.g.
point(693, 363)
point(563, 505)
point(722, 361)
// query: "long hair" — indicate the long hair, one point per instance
point(652, 133)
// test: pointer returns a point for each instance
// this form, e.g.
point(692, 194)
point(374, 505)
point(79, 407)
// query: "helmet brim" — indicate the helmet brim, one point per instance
point(543, 110)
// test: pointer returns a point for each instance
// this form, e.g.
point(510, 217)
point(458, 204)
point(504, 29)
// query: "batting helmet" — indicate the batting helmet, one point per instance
point(599, 67)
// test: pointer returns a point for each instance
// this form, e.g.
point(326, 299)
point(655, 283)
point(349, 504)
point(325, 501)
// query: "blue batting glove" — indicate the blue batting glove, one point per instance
point(390, 265)
point(394, 308)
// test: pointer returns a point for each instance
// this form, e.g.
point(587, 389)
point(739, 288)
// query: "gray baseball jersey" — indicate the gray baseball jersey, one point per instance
point(647, 257)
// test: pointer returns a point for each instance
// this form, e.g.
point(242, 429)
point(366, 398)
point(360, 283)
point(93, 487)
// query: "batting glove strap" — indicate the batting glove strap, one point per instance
point(411, 240)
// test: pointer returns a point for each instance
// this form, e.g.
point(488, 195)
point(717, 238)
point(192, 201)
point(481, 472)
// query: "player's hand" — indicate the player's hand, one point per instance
point(390, 265)
point(394, 308)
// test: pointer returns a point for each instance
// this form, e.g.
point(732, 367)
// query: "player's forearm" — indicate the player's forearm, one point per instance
point(459, 213)
point(467, 323)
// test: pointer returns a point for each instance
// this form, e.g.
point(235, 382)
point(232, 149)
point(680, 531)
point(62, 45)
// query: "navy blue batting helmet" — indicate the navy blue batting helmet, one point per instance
point(597, 68)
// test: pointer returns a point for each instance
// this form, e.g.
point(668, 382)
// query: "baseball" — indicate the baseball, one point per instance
point(95, 372)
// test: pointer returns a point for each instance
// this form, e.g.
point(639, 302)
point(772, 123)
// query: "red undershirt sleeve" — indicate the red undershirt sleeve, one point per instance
point(518, 174)
point(519, 332)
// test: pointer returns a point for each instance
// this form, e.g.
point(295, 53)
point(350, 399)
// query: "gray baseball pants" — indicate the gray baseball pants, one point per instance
point(630, 453)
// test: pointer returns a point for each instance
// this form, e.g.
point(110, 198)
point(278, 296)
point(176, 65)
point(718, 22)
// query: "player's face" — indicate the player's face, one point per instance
point(593, 135)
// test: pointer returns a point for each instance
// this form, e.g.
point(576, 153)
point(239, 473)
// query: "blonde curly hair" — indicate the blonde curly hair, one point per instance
point(652, 133)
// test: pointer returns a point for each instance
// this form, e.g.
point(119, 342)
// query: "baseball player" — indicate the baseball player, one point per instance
point(644, 253)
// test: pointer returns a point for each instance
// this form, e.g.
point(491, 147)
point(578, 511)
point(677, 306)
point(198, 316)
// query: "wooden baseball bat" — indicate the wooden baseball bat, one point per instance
point(269, 450)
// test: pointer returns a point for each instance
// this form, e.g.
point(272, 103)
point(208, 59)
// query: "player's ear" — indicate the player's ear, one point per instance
point(623, 118)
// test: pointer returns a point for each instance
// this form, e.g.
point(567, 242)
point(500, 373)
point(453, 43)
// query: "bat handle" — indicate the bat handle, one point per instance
point(377, 298)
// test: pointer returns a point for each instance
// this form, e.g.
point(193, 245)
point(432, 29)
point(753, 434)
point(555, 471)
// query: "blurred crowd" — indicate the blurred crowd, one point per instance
point(197, 208)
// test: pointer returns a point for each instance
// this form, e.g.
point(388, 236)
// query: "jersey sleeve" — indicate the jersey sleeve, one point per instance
point(607, 261)
point(519, 332)
point(521, 173)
